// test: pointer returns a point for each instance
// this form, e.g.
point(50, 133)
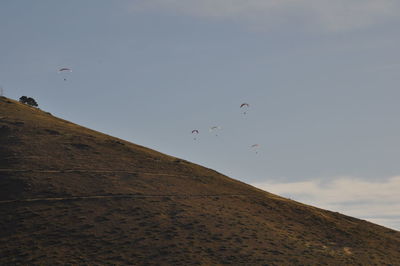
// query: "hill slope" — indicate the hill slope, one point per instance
point(70, 195)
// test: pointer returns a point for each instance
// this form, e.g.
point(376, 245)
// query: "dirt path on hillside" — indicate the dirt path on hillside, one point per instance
point(120, 196)
point(87, 171)
point(90, 197)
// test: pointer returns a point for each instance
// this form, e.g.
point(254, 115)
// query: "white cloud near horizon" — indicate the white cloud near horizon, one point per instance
point(378, 202)
point(328, 15)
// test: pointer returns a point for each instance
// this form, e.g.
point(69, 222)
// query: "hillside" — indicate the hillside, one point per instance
point(71, 195)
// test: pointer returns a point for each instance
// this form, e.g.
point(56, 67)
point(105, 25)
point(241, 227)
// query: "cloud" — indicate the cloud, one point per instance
point(330, 15)
point(378, 202)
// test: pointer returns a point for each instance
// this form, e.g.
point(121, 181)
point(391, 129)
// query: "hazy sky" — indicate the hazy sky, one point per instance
point(321, 78)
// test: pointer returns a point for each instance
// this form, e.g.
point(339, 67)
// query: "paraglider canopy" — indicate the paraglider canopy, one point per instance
point(244, 106)
point(215, 129)
point(64, 69)
point(195, 132)
point(255, 147)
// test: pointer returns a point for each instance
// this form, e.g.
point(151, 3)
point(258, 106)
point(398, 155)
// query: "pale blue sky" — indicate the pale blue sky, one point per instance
point(321, 78)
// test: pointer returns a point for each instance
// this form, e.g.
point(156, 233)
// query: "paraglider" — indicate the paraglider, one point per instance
point(64, 69)
point(215, 129)
point(255, 147)
point(244, 106)
point(195, 132)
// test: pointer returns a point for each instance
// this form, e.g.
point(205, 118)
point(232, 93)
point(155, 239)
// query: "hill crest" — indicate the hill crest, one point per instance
point(73, 195)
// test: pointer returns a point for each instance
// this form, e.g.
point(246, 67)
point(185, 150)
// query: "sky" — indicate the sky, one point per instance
point(320, 77)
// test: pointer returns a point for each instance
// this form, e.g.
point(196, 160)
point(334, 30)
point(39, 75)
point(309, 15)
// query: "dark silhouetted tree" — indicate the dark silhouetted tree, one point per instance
point(28, 100)
point(23, 99)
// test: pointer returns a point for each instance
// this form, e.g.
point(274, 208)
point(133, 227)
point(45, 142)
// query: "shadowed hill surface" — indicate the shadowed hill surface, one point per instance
point(70, 195)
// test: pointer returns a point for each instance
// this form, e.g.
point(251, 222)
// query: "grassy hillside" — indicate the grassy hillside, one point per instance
point(71, 195)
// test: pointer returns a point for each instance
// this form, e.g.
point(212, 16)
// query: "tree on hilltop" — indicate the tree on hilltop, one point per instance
point(28, 100)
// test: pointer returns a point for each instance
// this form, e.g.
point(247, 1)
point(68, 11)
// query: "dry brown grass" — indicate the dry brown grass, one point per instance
point(108, 201)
